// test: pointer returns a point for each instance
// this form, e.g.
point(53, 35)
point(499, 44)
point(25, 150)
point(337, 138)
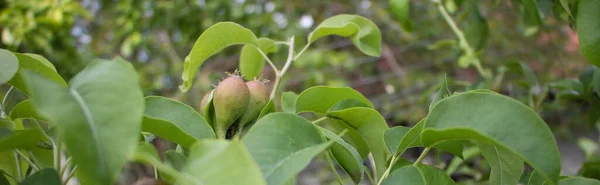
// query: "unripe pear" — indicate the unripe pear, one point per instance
point(259, 97)
point(230, 100)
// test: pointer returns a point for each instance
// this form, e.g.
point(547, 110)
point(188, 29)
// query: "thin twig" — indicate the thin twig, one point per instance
point(269, 61)
point(19, 171)
point(57, 152)
point(389, 168)
point(422, 156)
point(63, 170)
point(330, 162)
point(71, 174)
point(35, 167)
point(301, 51)
point(4, 102)
point(287, 65)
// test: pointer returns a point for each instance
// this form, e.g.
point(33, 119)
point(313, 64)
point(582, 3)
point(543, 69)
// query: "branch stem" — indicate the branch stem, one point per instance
point(389, 168)
point(2, 108)
point(19, 170)
point(287, 65)
point(35, 167)
point(422, 156)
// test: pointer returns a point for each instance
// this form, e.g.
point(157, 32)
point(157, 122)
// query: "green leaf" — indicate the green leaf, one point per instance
point(251, 61)
point(476, 29)
point(288, 102)
point(524, 70)
point(8, 165)
point(213, 40)
point(364, 33)
point(147, 154)
point(176, 161)
point(401, 10)
point(441, 94)
point(587, 29)
point(209, 111)
point(38, 65)
point(229, 163)
point(99, 130)
point(370, 125)
point(47, 176)
point(283, 144)
point(591, 168)
point(499, 120)
point(21, 139)
point(348, 158)
point(395, 135)
point(320, 98)
point(506, 167)
point(565, 5)
point(578, 181)
point(3, 179)
point(175, 121)
point(25, 109)
point(418, 175)
point(9, 64)
point(269, 108)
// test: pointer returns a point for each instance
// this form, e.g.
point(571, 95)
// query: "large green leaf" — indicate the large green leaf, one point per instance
point(321, 98)
point(251, 61)
point(21, 139)
point(220, 162)
point(588, 25)
point(48, 176)
point(38, 65)
point(98, 116)
point(506, 167)
point(25, 109)
point(418, 175)
point(364, 33)
point(9, 64)
point(401, 10)
point(346, 156)
point(288, 102)
point(578, 181)
point(395, 135)
point(499, 120)
point(371, 126)
point(283, 144)
point(175, 121)
point(213, 40)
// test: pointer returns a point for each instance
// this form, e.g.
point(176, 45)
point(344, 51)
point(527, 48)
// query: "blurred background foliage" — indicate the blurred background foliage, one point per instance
point(530, 50)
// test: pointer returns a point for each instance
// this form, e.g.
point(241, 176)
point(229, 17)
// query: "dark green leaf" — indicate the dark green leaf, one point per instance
point(587, 29)
point(476, 30)
point(283, 144)
point(25, 109)
point(506, 167)
point(394, 136)
point(99, 130)
point(418, 175)
point(213, 40)
point(401, 10)
point(499, 120)
point(147, 154)
point(321, 98)
point(174, 121)
point(288, 102)
point(269, 108)
point(346, 156)
point(21, 139)
point(229, 163)
point(251, 61)
point(47, 176)
point(441, 94)
point(364, 33)
point(176, 161)
point(370, 125)
point(9, 64)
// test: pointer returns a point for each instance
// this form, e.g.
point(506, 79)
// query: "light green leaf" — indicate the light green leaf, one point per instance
point(8, 165)
point(175, 121)
point(370, 125)
point(269, 108)
point(587, 29)
point(346, 156)
point(441, 94)
point(578, 181)
point(229, 163)
point(99, 130)
point(147, 154)
point(401, 10)
point(251, 61)
point(25, 109)
point(418, 175)
point(47, 176)
point(20, 139)
point(213, 40)
point(506, 167)
point(9, 64)
point(476, 29)
point(499, 120)
point(283, 144)
point(34, 63)
point(565, 5)
point(321, 98)
point(288, 102)
point(364, 33)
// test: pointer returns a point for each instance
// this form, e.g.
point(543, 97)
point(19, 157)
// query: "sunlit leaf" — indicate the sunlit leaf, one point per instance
point(35, 64)
point(9, 64)
point(321, 98)
point(251, 61)
point(364, 33)
point(401, 10)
